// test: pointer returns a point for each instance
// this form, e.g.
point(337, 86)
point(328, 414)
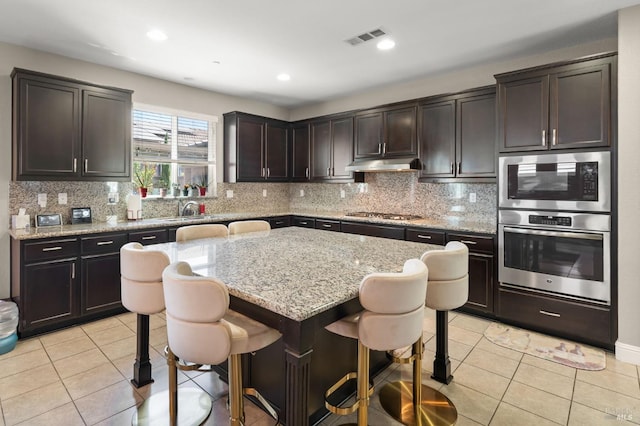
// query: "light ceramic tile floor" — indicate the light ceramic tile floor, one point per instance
point(81, 376)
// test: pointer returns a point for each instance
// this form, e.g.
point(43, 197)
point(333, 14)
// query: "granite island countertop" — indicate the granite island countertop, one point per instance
point(451, 223)
point(294, 272)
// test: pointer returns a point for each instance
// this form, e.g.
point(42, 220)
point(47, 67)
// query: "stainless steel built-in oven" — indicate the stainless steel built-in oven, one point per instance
point(564, 253)
point(565, 181)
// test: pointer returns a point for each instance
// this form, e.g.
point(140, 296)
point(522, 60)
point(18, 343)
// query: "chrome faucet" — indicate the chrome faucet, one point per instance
point(186, 210)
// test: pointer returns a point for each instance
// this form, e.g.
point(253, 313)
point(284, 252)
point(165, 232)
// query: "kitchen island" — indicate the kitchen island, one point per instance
point(297, 280)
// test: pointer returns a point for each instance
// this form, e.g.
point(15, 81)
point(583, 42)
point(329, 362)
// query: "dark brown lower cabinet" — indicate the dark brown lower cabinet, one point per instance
point(100, 283)
point(328, 225)
point(384, 231)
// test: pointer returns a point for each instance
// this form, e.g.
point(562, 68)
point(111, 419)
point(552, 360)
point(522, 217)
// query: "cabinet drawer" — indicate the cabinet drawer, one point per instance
point(304, 222)
point(53, 249)
point(280, 222)
point(425, 236)
point(393, 232)
point(475, 243)
point(102, 243)
point(149, 237)
point(565, 317)
point(328, 225)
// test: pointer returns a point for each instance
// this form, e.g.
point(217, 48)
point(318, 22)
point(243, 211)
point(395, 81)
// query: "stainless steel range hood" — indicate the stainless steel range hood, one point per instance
point(404, 164)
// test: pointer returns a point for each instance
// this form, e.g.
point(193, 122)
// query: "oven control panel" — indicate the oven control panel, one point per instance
point(549, 220)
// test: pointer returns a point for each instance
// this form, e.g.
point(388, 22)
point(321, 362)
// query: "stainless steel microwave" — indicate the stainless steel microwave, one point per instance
point(566, 181)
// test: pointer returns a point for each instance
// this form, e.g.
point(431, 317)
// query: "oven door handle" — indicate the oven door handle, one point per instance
point(577, 235)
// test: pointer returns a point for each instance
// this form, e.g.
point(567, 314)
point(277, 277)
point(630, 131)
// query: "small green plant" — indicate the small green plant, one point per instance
point(202, 182)
point(143, 174)
point(165, 176)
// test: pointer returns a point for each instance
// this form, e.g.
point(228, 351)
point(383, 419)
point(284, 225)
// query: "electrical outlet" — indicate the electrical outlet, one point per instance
point(42, 200)
point(112, 198)
point(264, 192)
point(62, 198)
point(302, 192)
point(229, 193)
point(342, 193)
point(472, 197)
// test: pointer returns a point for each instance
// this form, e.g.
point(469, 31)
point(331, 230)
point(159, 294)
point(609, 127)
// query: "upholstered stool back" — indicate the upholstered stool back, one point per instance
point(195, 307)
point(394, 307)
point(242, 226)
point(448, 276)
point(141, 278)
point(192, 232)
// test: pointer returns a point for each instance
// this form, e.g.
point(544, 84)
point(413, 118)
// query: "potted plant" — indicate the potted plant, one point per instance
point(175, 189)
point(185, 189)
point(202, 185)
point(143, 174)
point(164, 182)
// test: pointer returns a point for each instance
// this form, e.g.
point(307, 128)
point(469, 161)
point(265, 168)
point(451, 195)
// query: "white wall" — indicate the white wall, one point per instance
point(628, 345)
point(450, 82)
point(147, 90)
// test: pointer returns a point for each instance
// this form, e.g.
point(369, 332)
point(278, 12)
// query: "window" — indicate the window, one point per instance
point(178, 146)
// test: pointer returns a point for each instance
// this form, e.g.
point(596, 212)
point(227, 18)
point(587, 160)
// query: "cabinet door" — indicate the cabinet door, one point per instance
point(523, 114)
point(580, 107)
point(342, 144)
point(369, 135)
point(46, 133)
point(301, 160)
point(480, 282)
point(476, 136)
point(321, 150)
point(100, 283)
point(48, 293)
point(437, 139)
point(106, 134)
point(250, 150)
point(276, 152)
point(400, 132)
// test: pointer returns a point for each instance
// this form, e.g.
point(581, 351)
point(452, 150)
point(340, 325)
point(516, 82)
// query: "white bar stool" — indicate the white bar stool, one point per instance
point(447, 288)
point(202, 330)
point(141, 287)
point(193, 232)
point(392, 318)
point(243, 226)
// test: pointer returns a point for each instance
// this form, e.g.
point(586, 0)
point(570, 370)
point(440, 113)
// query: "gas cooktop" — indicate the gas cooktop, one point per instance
point(390, 216)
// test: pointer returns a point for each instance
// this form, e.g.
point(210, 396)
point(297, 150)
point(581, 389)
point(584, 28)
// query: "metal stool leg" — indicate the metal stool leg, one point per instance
point(236, 406)
point(415, 403)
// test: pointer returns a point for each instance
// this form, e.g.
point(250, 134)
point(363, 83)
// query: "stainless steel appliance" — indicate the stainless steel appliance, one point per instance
point(565, 181)
point(560, 252)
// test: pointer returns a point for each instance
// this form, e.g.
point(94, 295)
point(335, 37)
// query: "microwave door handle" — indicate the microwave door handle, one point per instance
point(577, 235)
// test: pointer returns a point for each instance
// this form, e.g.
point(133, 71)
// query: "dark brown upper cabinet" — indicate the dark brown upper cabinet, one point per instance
point(386, 132)
point(65, 129)
point(255, 148)
point(331, 148)
point(300, 152)
point(457, 135)
point(557, 106)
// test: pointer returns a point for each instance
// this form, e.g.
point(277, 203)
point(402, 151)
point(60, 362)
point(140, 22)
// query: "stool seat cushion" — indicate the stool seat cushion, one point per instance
point(447, 295)
point(248, 335)
point(346, 327)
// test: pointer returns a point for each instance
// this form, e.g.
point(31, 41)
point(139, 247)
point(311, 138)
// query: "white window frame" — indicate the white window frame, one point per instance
point(211, 154)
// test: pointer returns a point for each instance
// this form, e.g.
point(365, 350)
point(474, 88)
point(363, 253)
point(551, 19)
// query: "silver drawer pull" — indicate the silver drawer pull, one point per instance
point(104, 243)
point(326, 225)
point(52, 248)
point(425, 237)
point(279, 222)
point(303, 223)
point(468, 242)
point(150, 237)
point(550, 314)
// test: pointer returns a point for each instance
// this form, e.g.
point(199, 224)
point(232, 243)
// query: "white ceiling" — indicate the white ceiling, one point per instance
point(254, 40)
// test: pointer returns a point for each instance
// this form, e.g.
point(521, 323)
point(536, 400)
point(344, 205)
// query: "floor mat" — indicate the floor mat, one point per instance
point(555, 349)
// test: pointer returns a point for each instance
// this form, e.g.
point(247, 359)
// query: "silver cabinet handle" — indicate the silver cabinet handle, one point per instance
point(553, 137)
point(86, 165)
point(73, 271)
point(52, 248)
point(328, 171)
point(468, 242)
point(268, 172)
point(279, 222)
point(75, 165)
point(262, 172)
point(149, 237)
point(549, 314)
point(424, 237)
point(303, 223)
point(544, 138)
point(104, 243)
point(306, 172)
point(384, 148)
point(326, 225)
point(379, 148)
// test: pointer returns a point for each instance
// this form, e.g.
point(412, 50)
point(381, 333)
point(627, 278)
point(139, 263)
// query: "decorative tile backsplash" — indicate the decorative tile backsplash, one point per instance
point(383, 192)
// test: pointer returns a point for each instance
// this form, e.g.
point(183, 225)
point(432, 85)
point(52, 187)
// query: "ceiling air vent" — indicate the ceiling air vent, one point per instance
point(354, 41)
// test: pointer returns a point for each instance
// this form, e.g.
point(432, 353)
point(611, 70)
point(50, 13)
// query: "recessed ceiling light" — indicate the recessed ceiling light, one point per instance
point(386, 44)
point(284, 77)
point(157, 35)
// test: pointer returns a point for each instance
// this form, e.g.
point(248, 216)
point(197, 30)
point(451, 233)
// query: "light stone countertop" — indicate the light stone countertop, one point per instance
point(451, 223)
point(294, 272)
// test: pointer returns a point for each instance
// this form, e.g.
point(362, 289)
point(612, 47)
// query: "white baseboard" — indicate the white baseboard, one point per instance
point(628, 353)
